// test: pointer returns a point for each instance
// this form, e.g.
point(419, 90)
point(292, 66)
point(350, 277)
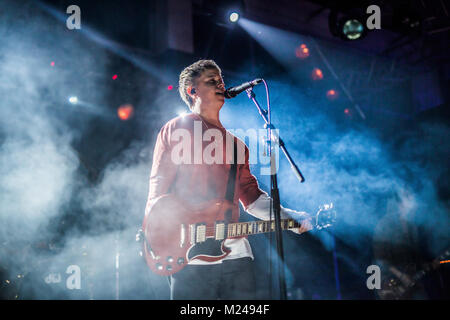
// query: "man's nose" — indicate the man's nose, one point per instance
point(221, 85)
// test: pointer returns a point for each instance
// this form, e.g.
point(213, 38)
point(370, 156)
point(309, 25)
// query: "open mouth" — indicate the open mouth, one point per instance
point(220, 93)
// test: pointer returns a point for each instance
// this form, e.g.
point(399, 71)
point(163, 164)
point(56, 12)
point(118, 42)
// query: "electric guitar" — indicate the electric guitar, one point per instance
point(173, 233)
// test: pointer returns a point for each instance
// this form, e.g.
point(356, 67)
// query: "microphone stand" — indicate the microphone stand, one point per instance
point(275, 195)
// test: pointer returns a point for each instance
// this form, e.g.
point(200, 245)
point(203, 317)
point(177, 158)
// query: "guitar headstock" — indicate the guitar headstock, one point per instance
point(326, 216)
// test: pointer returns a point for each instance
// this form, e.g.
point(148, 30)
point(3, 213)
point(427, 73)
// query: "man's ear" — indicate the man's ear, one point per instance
point(190, 91)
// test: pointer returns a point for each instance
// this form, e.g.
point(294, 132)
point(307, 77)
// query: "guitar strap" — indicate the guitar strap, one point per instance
point(231, 181)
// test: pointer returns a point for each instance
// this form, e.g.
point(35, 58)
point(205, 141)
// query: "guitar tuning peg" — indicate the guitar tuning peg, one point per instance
point(326, 206)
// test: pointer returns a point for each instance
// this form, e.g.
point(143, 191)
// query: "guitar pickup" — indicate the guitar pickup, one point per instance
point(220, 230)
point(201, 232)
point(192, 234)
point(198, 233)
point(182, 235)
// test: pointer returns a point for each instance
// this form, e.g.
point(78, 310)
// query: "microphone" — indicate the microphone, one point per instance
point(234, 91)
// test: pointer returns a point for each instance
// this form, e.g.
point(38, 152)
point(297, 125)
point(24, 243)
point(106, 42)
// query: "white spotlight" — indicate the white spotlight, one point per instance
point(234, 17)
point(73, 100)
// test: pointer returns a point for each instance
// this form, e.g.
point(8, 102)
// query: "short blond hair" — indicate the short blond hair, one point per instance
point(190, 74)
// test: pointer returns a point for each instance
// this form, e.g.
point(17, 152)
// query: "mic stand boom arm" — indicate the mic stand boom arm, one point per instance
point(278, 140)
point(274, 189)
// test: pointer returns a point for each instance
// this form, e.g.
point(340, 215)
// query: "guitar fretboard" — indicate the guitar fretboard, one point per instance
point(240, 229)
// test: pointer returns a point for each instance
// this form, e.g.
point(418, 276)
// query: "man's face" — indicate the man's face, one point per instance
point(210, 88)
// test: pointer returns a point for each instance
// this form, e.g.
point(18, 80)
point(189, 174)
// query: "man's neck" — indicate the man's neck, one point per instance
point(210, 116)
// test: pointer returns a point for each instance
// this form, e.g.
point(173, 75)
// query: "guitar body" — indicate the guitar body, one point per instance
point(173, 233)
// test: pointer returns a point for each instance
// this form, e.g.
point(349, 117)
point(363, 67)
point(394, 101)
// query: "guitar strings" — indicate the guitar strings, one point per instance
point(248, 224)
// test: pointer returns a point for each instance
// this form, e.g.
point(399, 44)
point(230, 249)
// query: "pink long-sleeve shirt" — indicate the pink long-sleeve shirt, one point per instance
point(186, 164)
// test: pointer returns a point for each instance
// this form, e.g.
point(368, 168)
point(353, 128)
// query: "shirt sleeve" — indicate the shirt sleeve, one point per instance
point(249, 190)
point(257, 202)
point(163, 170)
point(260, 209)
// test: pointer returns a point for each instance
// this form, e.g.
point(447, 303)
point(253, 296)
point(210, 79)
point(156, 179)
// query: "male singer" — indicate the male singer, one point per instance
point(202, 88)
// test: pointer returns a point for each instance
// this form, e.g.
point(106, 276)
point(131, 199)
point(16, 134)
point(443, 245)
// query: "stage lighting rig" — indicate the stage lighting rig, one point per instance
point(73, 100)
point(347, 26)
point(231, 12)
point(352, 29)
point(223, 13)
point(234, 17)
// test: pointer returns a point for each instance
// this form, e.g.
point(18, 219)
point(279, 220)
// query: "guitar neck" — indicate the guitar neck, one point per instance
point(240, 229)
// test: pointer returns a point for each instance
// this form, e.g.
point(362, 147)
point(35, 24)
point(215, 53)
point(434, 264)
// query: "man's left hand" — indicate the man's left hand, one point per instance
point(306, 225)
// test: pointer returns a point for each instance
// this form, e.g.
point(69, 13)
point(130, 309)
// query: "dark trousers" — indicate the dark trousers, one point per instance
point(230, 280)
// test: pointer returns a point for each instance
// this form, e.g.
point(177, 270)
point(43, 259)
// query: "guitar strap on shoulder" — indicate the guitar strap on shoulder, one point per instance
point(231, 181)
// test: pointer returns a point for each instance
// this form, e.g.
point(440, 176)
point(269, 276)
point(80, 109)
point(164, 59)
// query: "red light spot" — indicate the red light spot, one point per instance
point(169, 87)
point(114, 77)
point(317, 74)
point(332, 94)
point(302, 52)
point(347, 111)
point(125, 111)
point(52, 63)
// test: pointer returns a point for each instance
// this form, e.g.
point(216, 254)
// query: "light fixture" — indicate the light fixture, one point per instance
point(302, 51)
point(234, 17)
point(352, 29)
point(317, 74)
point(125, 111)
point(332, 94)
point(73, 100)
point(226, 13)
point(347, 26)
